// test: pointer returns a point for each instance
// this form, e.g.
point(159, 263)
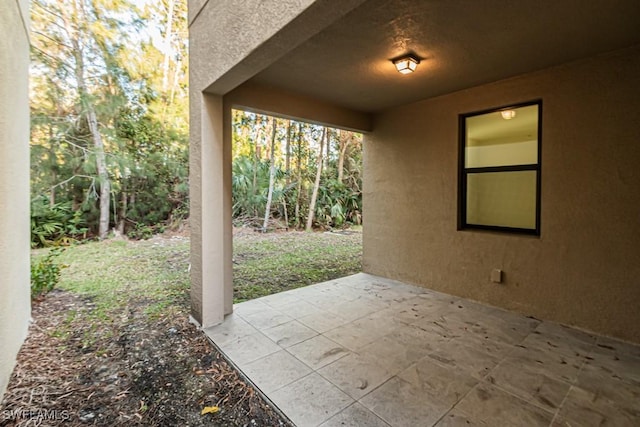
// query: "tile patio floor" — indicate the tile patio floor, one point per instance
point(366, 351)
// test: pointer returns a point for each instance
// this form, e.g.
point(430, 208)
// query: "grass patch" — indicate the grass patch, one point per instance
point(271, 263)
point(111, 272)
point(115, 278)
point(116, 273)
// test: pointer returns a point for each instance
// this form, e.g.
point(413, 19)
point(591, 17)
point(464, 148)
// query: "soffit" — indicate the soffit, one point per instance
point(464, 43)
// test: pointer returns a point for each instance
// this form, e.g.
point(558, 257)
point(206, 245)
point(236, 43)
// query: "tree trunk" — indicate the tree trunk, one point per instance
point(87, 109)
point(287, 158)
point(256, 158)
point(103, 175)
point(344, 141)
point(272, 176)
point(167, 47)
point(286, 214)
point(328, 147)
point(123, 212)
point(296, 211)
point(316, 185)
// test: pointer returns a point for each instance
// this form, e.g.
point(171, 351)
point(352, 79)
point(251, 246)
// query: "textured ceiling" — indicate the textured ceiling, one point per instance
point(463, 43)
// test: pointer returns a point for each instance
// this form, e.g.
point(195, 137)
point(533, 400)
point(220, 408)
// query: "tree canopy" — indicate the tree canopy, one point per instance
point(295, 161)
point(109, 108)
point(110, 133)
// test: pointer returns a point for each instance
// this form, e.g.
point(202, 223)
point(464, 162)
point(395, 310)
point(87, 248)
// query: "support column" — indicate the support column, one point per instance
point(211, 232)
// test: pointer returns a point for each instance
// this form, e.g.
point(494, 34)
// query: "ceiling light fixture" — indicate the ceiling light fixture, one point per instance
point(508, 114)
point(406, 64)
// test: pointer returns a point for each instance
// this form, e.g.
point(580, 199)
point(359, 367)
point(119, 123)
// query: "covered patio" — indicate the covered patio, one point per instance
point(369, 351)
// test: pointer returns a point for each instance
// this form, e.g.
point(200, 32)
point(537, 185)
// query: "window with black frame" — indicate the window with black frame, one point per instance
point(499, 183)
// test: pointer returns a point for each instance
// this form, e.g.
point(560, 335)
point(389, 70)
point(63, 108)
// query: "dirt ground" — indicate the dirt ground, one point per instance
point(136, 370)
point(135, 364)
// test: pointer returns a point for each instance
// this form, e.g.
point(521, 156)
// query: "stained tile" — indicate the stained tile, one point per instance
point(622, 364)
point(566, 333)
point(554, 365)
point(585, 409)
point(233, 327)
point(281, 299)
point(447, 327)
point(470, 312)
point(430, 379)
point(457, 418)
point(310, 401)
point(393, 354)
point(267, 318)
point(487, 343)
point(498, 408)
point(323, 301)
point(604, 383)
point(300, 308)
point(355, 415)
point(529, 383)
point(318, 351)
point(490, 323)
point(289, 333)
point(352, 311)
point(411, 310)
point(323, 321)
point(248, 308)
point(353, 336)
point(401, 404)
point(560, 339)
point(356, 375)
point(419, 357)
point(243, 350)
point(275, 371)
point(305, 291)
point(361, 332)
point(468, 358)
point(616, 347)
point(418, 339)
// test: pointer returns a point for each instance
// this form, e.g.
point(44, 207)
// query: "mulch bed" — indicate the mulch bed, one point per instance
point(130, 369)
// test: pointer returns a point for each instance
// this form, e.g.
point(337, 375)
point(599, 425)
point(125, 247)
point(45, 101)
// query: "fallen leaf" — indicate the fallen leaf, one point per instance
point(209, 410)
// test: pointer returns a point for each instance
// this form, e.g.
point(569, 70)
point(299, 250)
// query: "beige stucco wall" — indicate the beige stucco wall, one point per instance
point(14, 183)
point(230, 42)
point(268, 100)
point(584, 269)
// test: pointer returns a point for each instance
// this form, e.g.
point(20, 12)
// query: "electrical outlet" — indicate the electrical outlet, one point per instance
point(496, 275)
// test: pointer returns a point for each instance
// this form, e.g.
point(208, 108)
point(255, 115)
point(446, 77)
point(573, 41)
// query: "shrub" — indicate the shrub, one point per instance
point(45, 273)
point(55, 225)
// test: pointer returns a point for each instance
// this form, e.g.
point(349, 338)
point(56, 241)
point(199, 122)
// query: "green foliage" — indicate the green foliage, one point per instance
point(250, 185)
point(45, 273)
point(338, 204)
point(296, 147)
point(153, 169)
point(144, 232)
point(55, 225)
point(100, 56)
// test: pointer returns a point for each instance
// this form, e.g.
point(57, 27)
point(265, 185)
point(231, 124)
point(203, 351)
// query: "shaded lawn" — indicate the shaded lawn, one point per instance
point(113, 345)
point(271, 263)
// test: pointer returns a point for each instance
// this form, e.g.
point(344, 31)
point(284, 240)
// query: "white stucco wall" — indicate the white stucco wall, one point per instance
point(14, 183)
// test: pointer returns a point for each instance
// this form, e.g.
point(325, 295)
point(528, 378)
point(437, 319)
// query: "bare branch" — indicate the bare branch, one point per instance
point(51, 38)
point(70, 179)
